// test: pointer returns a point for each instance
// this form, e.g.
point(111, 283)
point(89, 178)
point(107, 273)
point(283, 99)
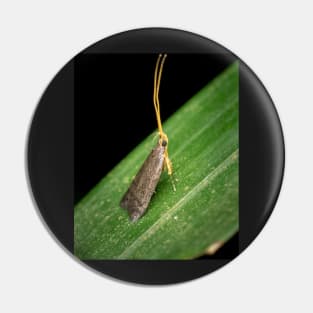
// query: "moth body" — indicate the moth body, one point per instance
point(139, 193)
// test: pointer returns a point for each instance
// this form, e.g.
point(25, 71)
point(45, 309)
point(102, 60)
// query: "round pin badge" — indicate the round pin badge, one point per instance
point(155, 156)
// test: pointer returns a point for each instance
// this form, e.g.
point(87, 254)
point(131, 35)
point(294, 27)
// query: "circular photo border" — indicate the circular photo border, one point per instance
point(51, 149)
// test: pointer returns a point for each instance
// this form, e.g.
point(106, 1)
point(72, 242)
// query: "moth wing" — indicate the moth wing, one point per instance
point(139, 193)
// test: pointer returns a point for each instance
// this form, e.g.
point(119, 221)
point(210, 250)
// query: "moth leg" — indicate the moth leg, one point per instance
point(169, 167)
point(168, 164)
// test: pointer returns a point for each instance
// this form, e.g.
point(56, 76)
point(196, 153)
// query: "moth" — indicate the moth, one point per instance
point(137, 198)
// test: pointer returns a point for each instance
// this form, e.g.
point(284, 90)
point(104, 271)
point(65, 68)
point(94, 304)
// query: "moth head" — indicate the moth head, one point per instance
point(163, 140)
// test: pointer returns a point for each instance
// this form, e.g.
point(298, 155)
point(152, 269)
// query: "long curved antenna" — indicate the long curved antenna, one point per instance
point(157, 81)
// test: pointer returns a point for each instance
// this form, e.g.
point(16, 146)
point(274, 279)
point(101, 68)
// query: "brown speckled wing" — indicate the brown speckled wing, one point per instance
point(139, 193)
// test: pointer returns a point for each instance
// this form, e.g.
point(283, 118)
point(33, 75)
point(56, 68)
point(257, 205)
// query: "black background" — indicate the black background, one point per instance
point(50, 155)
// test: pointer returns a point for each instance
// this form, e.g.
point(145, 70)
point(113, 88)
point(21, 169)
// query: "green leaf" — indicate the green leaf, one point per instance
point(202, 213)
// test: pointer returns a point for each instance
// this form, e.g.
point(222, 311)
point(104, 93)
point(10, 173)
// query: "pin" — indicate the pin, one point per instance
point(139, 193)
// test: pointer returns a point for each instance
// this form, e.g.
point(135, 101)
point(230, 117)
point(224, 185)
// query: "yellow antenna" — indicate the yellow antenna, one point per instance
point(157, 80)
